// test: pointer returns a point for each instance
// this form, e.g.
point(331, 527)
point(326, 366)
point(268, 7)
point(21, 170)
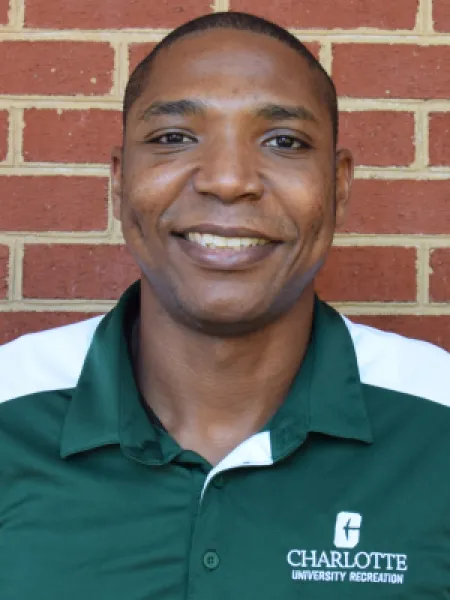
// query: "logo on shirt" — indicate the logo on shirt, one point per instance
point(344, 565)
point(346, 533)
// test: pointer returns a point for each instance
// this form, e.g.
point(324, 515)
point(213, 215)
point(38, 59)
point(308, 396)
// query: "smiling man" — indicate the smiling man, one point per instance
point(222, 433)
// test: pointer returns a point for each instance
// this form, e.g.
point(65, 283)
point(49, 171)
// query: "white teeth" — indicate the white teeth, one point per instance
point(216, 241)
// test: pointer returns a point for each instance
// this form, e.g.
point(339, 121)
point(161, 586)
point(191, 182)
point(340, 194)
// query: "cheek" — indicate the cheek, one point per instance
point(323, 215)
point(312, 207)
point(148, 191)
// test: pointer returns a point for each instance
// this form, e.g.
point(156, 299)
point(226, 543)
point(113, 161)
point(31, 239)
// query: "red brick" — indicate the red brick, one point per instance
point(137, 52)
point(330, 14)
point(76, 136)
point(392, 70)
point(440, 275)
point(433, 329)
point(65, 68)
point(4, 270)
point(441, 15)
point(440, 139)
point(369, 274)
point(77, 271)
point(378, 138)
point(15, 324)
point(112, 14)
point(4, 8)
point(399, 207)
point(53, 203)
point(4, 129)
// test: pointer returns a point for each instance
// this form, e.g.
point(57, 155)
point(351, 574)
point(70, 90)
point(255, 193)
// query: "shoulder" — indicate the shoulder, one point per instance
point(401, 364)
point(45, 361)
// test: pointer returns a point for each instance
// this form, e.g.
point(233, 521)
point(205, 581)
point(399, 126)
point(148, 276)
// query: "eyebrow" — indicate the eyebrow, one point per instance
point(178, 108)
point(276, 112)
point(184, 108)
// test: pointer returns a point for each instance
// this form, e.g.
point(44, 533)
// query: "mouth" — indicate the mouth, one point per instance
point(220, 242)
point(231, 249)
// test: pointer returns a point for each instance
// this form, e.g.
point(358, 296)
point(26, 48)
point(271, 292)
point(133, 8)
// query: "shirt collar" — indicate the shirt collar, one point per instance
point(326, 396)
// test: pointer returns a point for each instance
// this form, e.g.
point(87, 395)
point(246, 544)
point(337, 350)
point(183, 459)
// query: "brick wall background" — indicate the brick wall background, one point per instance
point(62, 75)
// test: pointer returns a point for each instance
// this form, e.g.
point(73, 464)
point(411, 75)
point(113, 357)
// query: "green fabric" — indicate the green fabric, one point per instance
point(96, 502)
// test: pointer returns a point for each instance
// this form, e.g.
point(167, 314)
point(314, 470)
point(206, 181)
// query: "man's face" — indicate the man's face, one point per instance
point(228, 184)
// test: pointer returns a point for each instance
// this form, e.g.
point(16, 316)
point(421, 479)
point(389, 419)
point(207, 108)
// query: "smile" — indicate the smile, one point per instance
point(208, 240)
point(234, 250)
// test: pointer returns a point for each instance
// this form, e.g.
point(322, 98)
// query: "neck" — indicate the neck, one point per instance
point(213, 393)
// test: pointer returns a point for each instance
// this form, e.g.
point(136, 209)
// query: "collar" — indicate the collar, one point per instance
point(106, 409)
point(326, 395)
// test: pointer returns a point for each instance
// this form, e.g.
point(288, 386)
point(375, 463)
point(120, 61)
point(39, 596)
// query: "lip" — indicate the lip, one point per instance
point(227, 231)
point(226, 259)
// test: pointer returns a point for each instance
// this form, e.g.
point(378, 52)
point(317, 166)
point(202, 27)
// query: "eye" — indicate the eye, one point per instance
point(173, 137)
point(286, 142)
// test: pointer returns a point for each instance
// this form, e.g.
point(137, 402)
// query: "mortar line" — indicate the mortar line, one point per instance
point(390, 240)
point(420, 275)
point(49, 169)
point(17, 126)
point(117, 236)
point(326, 56)
point(42, 305)
point(420, 18)
point(349, 308)
point(102, 170)
point(220, 5)
point(9, 159)
point(396, 104)
point(114, 102)
point(62, 102)
point(110, 226)
point(113, 236)
point(426, 16)
point(392, 309)
point(116, 70)
point(403, 173)
point(16, 16)
point(121, 68)
point(426, 272)
point(11, 271)
point(72, 238)
point(361, 35)
point(18, 270)
point(421, 139)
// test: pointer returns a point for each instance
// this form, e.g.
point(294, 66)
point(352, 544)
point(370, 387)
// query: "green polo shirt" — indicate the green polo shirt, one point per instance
point(344, 495)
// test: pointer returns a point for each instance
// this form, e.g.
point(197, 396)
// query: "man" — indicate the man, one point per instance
point(222, 433)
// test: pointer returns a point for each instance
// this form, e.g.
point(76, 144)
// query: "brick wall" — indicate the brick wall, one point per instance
point(62, 75)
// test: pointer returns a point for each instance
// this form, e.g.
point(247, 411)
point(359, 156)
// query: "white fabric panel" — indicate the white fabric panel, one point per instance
point(44, 361)
point(53, 359)
point(393, 362)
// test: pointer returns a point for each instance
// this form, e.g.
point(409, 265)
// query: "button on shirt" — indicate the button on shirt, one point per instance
point(345, 494)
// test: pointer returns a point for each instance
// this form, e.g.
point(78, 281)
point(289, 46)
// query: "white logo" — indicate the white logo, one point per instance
point(358, 566)
point(346, 533)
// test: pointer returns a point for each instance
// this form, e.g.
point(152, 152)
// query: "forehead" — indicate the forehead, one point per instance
point(228, 65)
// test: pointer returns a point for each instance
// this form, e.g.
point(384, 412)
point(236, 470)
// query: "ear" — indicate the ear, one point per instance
point(344, 179)
point(116, 179)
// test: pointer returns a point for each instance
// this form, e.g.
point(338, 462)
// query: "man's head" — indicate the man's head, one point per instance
point(228, 184)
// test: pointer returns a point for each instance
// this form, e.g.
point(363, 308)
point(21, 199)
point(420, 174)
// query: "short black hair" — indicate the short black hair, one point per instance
point(238, 21)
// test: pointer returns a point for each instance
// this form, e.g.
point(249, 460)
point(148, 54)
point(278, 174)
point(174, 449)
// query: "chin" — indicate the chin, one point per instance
point(227, 322)
point(230, 329)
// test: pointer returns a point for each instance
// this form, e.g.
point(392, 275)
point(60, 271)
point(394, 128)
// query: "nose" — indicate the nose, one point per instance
point(228, 170)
